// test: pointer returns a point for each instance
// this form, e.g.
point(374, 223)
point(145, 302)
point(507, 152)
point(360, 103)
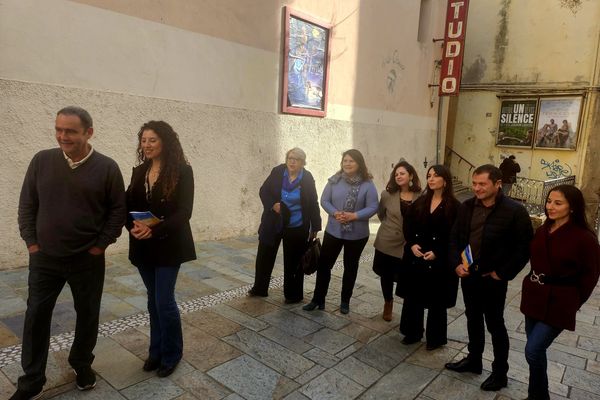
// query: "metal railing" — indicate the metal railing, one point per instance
point(460, 167)
point(532, 192)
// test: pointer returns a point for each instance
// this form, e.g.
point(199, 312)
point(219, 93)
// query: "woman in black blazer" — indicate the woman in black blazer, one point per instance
point(162, 183)
point(291, 212)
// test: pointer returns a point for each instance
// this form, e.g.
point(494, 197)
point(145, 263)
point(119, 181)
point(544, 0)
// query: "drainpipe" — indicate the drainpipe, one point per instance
point(590, 192)
point(438, 136)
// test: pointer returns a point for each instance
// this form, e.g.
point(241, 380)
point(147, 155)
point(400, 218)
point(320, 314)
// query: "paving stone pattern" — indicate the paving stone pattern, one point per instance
point(238, 347)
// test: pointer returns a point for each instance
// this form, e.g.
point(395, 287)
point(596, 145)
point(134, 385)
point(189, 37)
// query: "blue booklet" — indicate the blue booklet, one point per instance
point(145, 217)
point(467, 256)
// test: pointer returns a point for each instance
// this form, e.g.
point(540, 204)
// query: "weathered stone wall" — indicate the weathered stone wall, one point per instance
point(534, 48)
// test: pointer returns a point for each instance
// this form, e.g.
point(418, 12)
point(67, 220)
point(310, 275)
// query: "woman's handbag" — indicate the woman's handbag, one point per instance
point(310, 259)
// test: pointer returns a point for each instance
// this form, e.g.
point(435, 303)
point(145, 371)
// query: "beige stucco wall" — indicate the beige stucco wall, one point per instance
point(525, 48)
point(530, 42)
point(128, 62)
point(384, 43)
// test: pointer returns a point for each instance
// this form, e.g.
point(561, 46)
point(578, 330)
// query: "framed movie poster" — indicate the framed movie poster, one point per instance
point(306, 65)
point(558, 123)
point(517, 123)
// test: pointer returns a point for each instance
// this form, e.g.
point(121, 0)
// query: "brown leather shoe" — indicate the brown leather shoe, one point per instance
point(387, 310)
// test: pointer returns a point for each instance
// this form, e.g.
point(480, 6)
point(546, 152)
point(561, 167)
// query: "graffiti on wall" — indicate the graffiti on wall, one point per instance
point(393, 67)
point(573, 5)
point(556, 169)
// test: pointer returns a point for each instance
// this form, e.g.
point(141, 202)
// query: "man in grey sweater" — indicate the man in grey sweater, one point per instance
point(72, 206)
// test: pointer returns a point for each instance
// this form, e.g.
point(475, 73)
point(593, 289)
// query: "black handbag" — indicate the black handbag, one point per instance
point(310, 259)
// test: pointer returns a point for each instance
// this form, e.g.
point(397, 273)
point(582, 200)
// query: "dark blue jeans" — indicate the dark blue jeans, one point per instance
point(539, 337)
point(166, 338)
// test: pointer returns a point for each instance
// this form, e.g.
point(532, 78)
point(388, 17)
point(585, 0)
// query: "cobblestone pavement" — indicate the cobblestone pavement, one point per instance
point(238, 347)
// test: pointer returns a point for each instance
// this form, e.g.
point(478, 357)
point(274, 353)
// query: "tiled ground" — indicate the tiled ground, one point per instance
point(247, 348)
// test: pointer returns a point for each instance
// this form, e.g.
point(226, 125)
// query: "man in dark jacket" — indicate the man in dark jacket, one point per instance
point(498, 231)
point(509, 168)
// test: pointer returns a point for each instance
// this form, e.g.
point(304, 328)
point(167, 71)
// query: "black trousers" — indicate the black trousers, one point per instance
point(47, 276)
point(484, 301)
point(295, 243)
point(330, 251)
point(387, 268)
point(412, 321)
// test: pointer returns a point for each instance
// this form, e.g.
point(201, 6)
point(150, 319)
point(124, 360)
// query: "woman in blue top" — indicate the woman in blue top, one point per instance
point(350, 199)
point(291, 212)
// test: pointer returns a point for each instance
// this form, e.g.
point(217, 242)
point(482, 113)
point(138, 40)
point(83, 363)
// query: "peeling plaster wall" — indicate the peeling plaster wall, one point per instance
point(515, 48)
point(534, 41)
point(590, 174)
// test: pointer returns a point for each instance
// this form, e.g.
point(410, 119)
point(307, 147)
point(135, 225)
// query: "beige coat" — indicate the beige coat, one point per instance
point(390, 238)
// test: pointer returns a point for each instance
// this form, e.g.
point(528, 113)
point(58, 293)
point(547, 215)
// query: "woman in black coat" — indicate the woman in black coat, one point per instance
point(431, 283)
point(163, 183)
point(291, 212)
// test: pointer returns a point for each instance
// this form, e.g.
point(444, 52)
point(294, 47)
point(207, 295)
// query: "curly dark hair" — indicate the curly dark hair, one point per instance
point(172, 156)
point(392, 186)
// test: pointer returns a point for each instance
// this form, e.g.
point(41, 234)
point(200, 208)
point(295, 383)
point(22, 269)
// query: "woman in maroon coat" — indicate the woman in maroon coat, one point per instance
point(565, 264)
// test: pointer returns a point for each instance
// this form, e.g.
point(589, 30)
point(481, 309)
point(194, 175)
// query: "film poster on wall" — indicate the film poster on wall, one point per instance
point(516, 125)
point(306, 64)
point(558, 123)
point(550, 123)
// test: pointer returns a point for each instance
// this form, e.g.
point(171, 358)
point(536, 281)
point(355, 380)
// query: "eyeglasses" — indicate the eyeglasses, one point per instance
point(294, 159)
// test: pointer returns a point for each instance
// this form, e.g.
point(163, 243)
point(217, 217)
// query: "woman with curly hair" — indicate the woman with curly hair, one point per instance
point(401, 190)
point(162, 183)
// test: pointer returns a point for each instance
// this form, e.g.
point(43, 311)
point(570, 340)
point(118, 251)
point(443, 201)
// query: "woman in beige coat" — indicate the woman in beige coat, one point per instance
point(401, 190)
